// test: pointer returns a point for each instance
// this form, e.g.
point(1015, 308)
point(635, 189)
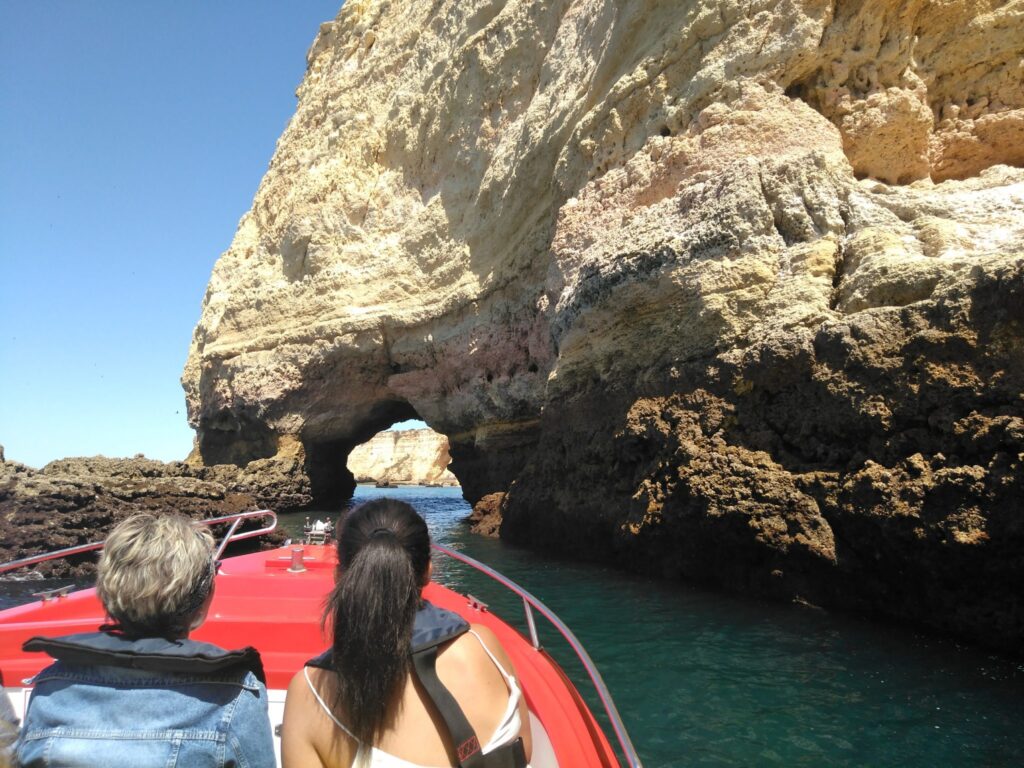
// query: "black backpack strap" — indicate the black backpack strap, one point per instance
point(467, 745)
point(508, 756)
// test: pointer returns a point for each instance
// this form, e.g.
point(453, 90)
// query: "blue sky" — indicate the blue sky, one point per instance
point(133, 136)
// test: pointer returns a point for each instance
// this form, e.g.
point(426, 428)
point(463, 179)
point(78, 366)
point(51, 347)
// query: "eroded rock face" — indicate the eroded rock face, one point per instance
point(486, 517)
point(76, 501)
point(722, 291)
point(416, 456)
point(873, 463)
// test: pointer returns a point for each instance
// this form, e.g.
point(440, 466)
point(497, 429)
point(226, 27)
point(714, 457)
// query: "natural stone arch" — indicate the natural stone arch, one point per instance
point(628, 257)
point(330, 481)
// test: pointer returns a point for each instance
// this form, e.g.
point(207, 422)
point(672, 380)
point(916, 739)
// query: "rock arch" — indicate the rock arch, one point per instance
point(330, 480)
point(637, 261)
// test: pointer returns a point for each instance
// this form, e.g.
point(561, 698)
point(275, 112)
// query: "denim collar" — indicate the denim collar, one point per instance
point(155, 654)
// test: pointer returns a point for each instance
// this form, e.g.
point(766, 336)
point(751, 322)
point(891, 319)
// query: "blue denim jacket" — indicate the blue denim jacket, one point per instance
point(115, 715)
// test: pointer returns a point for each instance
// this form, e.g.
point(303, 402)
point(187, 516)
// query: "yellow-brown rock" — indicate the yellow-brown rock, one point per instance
point(411, 456)
point(638, 257)
point(486, 516)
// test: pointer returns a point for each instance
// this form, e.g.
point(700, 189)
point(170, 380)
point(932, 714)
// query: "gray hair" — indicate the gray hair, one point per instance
point(155, 573)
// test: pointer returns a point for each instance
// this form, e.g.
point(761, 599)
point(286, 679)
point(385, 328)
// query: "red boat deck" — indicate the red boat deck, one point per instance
point(260, 602)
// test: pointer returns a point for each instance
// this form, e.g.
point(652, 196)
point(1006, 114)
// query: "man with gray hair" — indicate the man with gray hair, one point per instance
point(139, 692)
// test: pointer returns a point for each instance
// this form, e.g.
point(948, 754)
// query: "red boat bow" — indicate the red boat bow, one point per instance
point(274, 601)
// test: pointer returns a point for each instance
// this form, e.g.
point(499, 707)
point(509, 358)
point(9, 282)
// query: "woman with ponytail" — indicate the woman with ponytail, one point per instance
point(370, 700)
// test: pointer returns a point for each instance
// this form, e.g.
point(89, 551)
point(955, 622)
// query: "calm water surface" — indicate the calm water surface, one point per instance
point(703, 679)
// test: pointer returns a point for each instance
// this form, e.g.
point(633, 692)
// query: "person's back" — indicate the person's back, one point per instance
point(381, 696)
point(8, 727)
point(466, 667)
point(139, 692)
point(121, 717)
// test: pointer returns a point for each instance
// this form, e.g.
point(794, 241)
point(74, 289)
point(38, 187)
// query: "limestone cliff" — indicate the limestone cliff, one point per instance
point(724, 291)
point(416, 456)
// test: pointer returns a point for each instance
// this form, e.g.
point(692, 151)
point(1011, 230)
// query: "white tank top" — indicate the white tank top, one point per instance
point(506, 732)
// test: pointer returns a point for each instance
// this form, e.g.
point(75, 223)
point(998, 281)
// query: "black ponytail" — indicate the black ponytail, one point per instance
point(383, 554)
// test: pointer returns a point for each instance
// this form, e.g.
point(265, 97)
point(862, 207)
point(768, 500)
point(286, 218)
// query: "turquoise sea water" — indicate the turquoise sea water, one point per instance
point(703, 679)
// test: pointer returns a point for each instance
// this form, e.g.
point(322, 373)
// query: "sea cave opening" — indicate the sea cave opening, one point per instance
point(391, 447)
point(405, 453)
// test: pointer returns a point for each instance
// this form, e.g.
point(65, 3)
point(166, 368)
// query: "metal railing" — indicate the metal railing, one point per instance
point(529, 604)
point(231, 535)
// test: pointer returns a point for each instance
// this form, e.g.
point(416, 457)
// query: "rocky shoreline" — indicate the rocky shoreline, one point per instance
point(487, 515)
point(874, 465)
point(77, 500)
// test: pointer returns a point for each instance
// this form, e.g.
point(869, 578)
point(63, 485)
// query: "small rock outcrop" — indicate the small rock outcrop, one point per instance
point(76, 501)
point(411, 456)
point(485, 519)
point(718, 291)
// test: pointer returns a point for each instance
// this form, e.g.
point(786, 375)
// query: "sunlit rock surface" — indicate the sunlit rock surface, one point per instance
point(723, 291)
point(485, 519)
point(415, 456)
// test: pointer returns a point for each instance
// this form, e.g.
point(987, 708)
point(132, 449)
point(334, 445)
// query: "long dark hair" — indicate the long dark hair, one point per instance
point(383, 555)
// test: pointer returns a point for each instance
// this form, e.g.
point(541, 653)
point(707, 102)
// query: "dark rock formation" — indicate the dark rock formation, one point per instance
point(875, 464)
point(76, 501)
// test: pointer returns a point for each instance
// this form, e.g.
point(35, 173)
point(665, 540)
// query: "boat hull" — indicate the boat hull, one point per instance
point(261, 600)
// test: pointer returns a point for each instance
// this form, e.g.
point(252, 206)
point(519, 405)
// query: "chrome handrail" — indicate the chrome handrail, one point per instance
point(235, 520)
point(632, 758)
